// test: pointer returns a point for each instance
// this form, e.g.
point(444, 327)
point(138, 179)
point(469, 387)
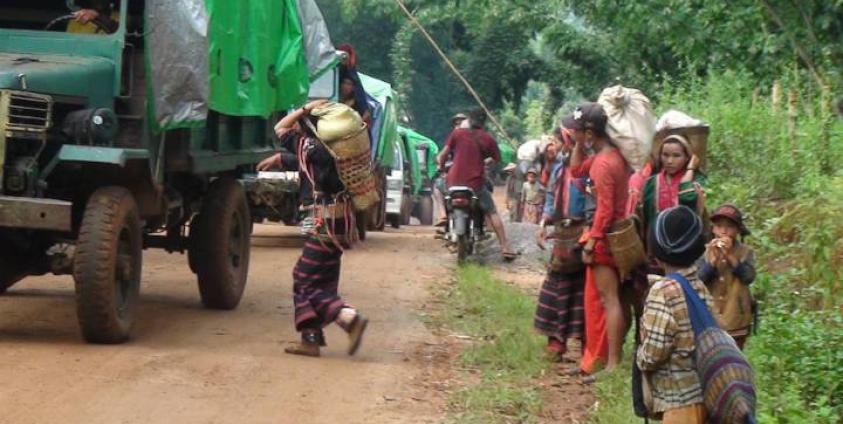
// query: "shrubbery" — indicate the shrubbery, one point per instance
point(788, 181)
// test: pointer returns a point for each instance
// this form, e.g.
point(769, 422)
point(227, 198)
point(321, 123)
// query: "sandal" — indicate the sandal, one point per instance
point(355, 333)
point(510, 256)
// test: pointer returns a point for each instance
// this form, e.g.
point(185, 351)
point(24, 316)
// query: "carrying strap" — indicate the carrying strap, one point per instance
point(701, 318)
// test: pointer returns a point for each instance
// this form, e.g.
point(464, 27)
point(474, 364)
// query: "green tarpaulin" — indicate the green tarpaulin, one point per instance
point(257, 61)
point(413, 141)
point(507, 153)
point(385, 119)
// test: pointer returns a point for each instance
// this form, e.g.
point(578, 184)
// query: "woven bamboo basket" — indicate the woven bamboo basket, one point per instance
point(567, 251)
point(344, 134)
point(626, 246)
point(354, 164)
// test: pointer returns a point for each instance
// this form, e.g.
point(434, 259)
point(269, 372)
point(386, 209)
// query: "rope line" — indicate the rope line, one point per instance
point(454, 69)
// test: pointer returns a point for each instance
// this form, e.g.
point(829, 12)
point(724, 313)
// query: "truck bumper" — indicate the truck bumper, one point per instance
point(35, 214)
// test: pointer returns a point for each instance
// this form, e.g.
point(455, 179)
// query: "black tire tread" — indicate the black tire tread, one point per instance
point(209, 240)
point(94, 264)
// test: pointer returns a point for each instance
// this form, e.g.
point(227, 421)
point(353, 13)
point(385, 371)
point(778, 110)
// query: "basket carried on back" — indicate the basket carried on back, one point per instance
point(626, 246)
point(344, 134)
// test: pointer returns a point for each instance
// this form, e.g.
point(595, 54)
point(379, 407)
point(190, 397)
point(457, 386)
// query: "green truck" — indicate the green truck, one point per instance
point(405, 160)
point(421, 152)
point(111, 143)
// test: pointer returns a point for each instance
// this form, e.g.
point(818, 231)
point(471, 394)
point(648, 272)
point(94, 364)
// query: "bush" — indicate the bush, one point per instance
point(793, 200)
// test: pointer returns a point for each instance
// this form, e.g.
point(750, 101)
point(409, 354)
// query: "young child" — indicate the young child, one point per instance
point(532, 197)
point(728, 268)
point(667, 349)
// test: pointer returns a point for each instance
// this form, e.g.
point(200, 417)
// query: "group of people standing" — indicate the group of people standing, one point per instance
point(585, 296)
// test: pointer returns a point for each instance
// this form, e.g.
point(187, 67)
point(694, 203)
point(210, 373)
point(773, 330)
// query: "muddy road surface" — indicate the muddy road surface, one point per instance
point(187, 364)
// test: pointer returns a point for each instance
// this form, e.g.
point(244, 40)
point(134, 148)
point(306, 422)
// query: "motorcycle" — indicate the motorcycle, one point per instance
point(465, 221)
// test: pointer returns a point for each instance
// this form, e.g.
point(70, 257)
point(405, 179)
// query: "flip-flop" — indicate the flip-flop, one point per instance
point(510, 256)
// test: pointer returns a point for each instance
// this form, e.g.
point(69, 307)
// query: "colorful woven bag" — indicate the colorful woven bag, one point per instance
point(725, 374)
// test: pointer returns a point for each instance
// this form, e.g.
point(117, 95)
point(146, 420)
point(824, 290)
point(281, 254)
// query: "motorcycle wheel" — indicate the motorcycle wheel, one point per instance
point(463, 248)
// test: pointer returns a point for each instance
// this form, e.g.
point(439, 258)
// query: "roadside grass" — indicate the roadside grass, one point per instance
point(506, 356)
point(793, 200)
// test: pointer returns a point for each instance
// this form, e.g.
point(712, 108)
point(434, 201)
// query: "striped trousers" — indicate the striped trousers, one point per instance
point(316, 278)
point(560, 313)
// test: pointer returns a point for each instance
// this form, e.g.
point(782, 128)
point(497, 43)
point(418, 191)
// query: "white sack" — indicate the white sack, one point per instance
point(632, 123)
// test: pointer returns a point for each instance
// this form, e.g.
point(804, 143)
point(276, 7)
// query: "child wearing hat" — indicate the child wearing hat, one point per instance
point(728, 268)
point(667, 341)
point(532, 197)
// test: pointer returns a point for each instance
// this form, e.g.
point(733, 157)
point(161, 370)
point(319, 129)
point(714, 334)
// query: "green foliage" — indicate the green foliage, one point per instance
point(793, 204)
point(507, 356)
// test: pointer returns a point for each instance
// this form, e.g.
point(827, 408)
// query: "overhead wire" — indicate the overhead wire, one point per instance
point(454, 69)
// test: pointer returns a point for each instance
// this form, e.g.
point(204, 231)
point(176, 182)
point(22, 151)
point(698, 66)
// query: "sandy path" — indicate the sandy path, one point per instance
point(191, 365)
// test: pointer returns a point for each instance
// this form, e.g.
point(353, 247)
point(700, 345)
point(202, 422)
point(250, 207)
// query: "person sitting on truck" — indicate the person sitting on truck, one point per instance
point(352, 92)
point(316, 274)
point(471, 148)
point(94, 16)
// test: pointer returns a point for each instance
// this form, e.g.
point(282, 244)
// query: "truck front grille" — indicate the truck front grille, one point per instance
point(26, 112)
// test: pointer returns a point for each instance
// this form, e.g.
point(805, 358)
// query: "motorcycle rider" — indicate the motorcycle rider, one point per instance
point(471, 148)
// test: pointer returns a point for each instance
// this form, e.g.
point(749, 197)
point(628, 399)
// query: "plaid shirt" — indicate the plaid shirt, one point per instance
point(666, 354)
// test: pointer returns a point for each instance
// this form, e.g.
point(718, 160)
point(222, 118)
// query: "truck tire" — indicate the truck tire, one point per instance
point(361, 221)
point(426, 209)
point(406, 209)
point(219, 245)
point(394, 221)
point(107, 266)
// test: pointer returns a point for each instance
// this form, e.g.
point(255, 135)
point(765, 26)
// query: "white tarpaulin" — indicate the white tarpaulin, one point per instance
point(319, 51)
point(177, 50)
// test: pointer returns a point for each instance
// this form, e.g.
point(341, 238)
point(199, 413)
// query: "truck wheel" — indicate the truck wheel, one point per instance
point(361, 221)
point(394, 221)
point(107, 266)
point(406, 209)
point(426, 210)
point(219, 245)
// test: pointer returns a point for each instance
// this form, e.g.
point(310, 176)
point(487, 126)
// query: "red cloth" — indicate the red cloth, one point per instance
point(636, 187)
point(668, 192)
point(470, 147)
point(609, 174)
point(596, 349)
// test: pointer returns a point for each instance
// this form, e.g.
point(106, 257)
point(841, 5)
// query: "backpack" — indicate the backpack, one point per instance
point(725, 375)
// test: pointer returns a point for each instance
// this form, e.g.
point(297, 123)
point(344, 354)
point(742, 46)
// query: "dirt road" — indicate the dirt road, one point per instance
point(191, 365)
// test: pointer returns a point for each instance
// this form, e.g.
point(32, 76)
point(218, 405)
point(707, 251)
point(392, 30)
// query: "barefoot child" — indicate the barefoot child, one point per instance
point(532, 198)
point(728, 268)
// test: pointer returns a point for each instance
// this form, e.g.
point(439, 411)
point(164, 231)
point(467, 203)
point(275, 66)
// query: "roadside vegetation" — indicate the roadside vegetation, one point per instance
point(782, 167)
point(765, 75)
point(506, 357)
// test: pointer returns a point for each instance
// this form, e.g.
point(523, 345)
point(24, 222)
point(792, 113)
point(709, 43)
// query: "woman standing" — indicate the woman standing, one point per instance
point(677, 180)
point(317, 272)
point(609, 174)
point(559, 313)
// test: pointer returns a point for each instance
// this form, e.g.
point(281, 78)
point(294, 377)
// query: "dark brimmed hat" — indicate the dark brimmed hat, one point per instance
point(732, 213)
point(676, 238)
point(587, 116)
point(458, 117)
